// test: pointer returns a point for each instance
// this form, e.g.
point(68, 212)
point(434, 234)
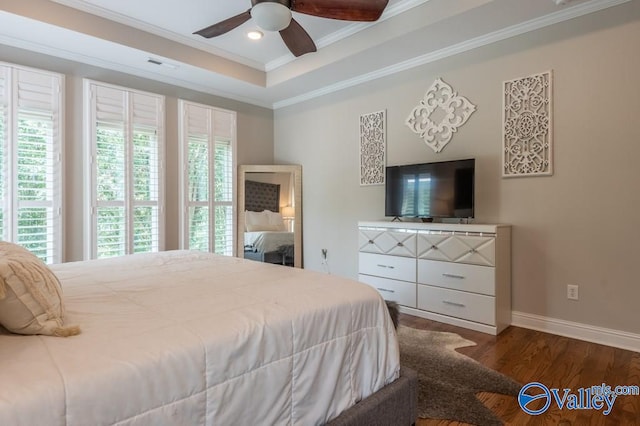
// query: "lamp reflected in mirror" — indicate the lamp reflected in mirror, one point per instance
point(288, 215)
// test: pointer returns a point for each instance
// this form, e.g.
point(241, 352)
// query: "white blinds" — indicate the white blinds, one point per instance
point(4, 141)
point(417, 194)
point(207, 146)
point(31, 158)
point(127, 170)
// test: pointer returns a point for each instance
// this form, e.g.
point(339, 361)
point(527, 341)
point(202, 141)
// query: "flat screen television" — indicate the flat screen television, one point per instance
point(431, 190)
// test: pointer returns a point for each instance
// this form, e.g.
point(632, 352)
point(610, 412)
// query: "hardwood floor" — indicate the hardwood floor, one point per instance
point(556, 362)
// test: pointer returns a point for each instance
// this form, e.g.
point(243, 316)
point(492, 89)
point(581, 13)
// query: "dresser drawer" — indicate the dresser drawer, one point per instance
point(395, 267)
point(459, 304)
point(395, 243)
point(401, 292)
point(458, 276)
point(472, 249)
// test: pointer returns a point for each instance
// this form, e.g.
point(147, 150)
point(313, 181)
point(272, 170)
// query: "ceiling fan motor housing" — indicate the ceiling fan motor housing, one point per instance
point(286, 3)
point(271, 15)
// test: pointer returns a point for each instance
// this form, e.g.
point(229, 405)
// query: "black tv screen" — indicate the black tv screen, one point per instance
point(431, 190)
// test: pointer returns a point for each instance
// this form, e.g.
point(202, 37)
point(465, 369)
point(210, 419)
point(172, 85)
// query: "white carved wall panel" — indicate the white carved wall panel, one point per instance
point(373, 141)
point(439, 115)
point(527, 126)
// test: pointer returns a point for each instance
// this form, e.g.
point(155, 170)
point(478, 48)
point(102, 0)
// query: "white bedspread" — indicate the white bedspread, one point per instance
point(183, 338)
point(267, 241)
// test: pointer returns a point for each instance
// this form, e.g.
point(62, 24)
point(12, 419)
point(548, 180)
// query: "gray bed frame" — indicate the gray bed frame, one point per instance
point(393, 405)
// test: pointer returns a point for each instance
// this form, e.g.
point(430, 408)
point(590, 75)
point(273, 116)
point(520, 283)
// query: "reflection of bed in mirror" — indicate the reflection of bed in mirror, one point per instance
point(266, 236)
point(287, 208)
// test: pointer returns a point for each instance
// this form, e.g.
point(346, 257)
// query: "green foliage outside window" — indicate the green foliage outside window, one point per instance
point(199, 193)
point(112, 188)
point(33, 166)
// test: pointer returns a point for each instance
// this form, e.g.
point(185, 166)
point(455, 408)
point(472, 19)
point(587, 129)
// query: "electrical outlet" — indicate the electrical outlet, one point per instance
point(324, 254)
point(572, 292)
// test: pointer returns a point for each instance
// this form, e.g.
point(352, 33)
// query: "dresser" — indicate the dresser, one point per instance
point(452, 273)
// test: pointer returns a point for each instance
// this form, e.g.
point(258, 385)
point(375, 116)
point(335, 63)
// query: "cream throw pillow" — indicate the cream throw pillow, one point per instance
point(30, 294)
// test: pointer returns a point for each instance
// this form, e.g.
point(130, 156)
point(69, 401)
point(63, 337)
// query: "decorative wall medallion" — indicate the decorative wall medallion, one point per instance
point(439, 115)
point(373, 141)
point(527, 126)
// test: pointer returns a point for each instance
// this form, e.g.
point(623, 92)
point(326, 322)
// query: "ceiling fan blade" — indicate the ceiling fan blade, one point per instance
point(352, 10)
point(225, 26)
point(297, 39)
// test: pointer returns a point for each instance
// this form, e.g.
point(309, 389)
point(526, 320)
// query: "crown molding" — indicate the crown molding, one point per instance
point(161, 32)
point(348, 31)
point(503, 34)
point(139, 72)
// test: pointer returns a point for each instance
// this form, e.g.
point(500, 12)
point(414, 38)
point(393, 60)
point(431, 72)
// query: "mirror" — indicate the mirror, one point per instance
point(270, 214)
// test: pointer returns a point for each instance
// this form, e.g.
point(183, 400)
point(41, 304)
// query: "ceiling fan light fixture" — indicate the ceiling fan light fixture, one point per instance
point(255, 35)
point(271, 16)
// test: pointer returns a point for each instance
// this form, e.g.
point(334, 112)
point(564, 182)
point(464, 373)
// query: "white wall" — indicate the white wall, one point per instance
point(575, 227)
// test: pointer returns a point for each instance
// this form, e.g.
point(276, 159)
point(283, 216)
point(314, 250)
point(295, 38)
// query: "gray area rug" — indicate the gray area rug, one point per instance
point(447, 380)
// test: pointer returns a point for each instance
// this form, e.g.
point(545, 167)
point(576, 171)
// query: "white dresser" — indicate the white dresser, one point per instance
point(457, 274)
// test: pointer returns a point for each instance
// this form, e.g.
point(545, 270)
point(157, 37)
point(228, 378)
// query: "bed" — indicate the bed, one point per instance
point(266, 237)
point(191, 338)
point(269, 246)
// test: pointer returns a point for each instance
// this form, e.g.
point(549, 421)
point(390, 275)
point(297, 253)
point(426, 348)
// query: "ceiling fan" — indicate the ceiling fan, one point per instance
point(275, 15)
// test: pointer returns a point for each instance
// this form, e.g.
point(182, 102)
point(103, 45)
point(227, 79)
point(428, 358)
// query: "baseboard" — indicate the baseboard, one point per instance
point(574, 330)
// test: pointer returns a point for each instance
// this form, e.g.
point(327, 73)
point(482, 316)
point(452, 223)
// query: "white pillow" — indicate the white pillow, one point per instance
point(30, 294)
point(265, 220)
point(259, 228)
point(275, 219)
point(255, 219)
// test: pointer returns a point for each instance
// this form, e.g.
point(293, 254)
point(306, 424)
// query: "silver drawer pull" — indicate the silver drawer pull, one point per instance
point(460, 277)
point(386, 266)
point(459, 305)
point(400, 245)
point(370, 241)
point(386, 290)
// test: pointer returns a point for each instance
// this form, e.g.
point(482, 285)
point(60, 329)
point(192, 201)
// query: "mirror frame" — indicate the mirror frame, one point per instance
point(296, 170)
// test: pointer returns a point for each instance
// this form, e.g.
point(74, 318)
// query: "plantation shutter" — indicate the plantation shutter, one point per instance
point(127, 169)
point(208, 164)
point(4, 141)
point(416, 194)
point(424, 194)
point(31, 156)
point(224, 184)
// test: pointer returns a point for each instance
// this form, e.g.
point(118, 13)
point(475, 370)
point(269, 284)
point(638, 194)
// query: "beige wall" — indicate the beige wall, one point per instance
point(255, 135)
point(578, 226)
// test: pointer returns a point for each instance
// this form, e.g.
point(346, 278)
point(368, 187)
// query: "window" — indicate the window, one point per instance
point(31, 159)
point(125, 132)
point(207, 169)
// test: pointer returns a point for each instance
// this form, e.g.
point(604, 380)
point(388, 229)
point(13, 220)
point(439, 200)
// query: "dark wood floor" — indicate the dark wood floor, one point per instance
point(556, 362)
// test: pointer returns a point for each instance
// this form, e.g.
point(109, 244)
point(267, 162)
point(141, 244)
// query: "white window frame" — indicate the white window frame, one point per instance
point(11, 72)
point(183, 106)
point(91, 203)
